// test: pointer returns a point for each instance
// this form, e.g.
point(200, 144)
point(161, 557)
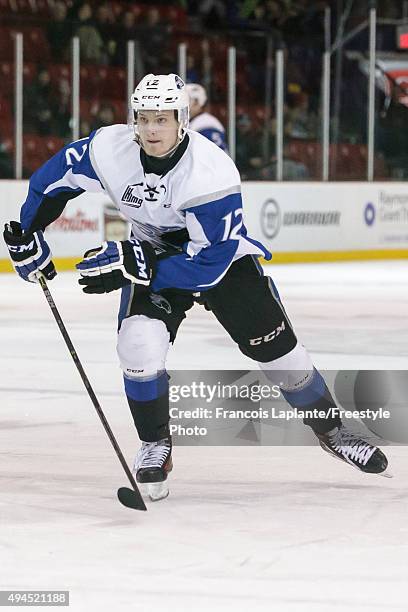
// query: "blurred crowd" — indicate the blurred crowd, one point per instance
point(103, 32)
point(208, 27)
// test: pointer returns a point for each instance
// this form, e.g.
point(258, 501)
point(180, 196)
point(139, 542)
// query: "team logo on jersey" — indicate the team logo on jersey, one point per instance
point(154, 193)
point(160, 302)
point(134, 197)
point(130, 198)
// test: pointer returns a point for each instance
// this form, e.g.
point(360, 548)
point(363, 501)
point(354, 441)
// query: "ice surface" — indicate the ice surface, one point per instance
point(282, 529)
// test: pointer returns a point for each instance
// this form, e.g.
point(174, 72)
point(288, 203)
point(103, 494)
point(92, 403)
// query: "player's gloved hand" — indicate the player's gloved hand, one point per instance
point(116, 264)
point(30, 254)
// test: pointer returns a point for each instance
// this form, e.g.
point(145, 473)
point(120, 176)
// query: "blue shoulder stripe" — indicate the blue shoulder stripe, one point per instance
point(69, 171)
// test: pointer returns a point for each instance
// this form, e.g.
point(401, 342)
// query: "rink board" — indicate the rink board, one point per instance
point(80, 226)
point(298, 222)
point(328, 221)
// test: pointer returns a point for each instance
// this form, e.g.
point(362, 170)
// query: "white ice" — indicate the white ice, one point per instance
point(245, 528)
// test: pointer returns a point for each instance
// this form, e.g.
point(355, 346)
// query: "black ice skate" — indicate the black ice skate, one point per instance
point(349, 447)
point(152, 465)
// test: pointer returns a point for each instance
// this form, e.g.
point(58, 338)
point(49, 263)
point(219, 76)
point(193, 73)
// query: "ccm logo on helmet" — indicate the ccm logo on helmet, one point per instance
point(150, 97)
point(269, 337)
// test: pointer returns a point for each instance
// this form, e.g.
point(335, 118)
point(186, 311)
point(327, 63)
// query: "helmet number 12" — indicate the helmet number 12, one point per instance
point(232, 232)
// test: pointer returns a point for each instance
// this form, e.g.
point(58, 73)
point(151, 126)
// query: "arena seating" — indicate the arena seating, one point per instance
point(100, 84)
point(43, 8)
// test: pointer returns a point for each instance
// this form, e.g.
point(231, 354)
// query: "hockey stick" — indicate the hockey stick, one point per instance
point(128, 497)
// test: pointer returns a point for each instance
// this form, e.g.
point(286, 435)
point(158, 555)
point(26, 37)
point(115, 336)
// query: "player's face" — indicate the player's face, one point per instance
point(158, 131)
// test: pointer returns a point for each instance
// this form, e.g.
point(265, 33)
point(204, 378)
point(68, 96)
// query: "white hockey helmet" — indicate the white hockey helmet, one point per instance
point(197, 92)
point(160, 92)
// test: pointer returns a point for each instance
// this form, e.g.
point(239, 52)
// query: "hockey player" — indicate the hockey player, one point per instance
point(201, 121)
point(182, 196)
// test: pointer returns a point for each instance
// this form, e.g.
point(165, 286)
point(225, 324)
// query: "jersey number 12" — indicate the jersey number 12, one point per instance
point(232, 233)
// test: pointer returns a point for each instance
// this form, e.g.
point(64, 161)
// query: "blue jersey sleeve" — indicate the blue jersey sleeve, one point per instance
point(216, 136)
point(214, 229)
point(63, 177)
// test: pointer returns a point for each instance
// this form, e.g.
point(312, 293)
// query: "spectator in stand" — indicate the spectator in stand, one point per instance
point(267, 16)
point(201, 121)
point(84, 128)
point(312, 24)
point(206, 63)
point(104, 23)
point(90, 40)
point(212, 13)
point(6, 163)
point(248, 148)
point(62, 109)
point(39, 105)
point(62, 114)
point(104, 117)
point(256, 50)
point(296, 72)
point(292, 170)
point(128, 31)
point(299, 121)
point(154, 41)
point(59, 33)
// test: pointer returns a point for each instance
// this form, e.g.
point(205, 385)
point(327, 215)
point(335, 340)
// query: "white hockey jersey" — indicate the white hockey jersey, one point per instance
point(201, 194)
point(210, 127)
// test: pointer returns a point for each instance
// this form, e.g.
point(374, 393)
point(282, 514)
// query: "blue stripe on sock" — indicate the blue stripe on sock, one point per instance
point(309, 394)
point(146, 390)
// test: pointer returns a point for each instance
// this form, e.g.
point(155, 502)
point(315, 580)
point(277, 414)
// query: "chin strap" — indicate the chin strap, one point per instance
point(172, 150)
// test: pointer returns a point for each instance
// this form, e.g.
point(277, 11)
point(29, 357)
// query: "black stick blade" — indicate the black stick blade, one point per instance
point(131, 499)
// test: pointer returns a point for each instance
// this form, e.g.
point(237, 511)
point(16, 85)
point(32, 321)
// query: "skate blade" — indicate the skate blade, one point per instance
point(156, 490)
point(385, 474)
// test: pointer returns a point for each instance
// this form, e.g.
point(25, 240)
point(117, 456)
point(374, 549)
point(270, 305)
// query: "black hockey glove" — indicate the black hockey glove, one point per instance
point(30, 254)
point(116, 264)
